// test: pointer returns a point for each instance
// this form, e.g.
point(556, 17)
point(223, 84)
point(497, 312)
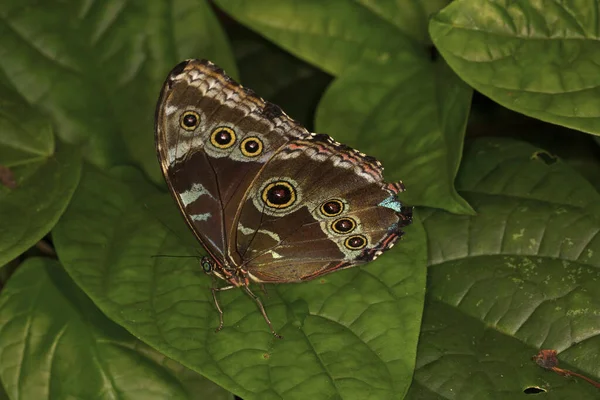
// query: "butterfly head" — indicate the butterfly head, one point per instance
point(234, 276)
point(208, 265)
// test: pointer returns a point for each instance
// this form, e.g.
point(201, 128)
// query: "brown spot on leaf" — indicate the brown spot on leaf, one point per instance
point(7, 178)
point(547, 359)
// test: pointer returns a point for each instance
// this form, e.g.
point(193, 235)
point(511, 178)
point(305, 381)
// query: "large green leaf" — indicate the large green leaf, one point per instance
point(391, 100)
point(55, 344)
point(97, 67)
point(520, 276)
point(536, 57)
point(412, 116)
point(338, 34)
point(292, 84)
point(348, 335)
point(45, 177)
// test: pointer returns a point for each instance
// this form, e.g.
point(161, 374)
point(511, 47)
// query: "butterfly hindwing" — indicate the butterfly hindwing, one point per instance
point(316, 207)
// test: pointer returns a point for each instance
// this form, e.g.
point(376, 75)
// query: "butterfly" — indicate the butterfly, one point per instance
point(269, 201)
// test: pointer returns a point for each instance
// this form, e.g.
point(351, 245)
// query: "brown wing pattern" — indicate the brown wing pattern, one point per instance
point(213, 136)
point(317, 206)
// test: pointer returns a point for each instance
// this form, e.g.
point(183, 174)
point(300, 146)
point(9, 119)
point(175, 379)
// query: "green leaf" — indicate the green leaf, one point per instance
point(507, 167)
point(520, 276)
point(412, 116)
point(348, 335)
point(55, 344)
point(390, 99)
point(538, 58)
point(44, 178)
point(330, 34)
point(292, 84)
point(25, 136)
point(97, 68)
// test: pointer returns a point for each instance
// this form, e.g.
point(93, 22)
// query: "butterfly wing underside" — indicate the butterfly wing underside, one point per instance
point(317, 207)
point(213, 136)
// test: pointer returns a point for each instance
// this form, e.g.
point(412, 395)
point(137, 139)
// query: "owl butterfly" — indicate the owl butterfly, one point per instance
point(269, 201)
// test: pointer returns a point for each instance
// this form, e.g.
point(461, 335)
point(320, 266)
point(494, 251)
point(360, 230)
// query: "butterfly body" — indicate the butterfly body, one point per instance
point(269, 201)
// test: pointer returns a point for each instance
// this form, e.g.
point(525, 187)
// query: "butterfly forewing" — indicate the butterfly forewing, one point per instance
point(213, 136)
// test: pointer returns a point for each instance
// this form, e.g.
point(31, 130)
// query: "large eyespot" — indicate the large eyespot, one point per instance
point(343, 225)
point(355, 242)
point(223, 137)
point(251, 146)
point(280, 194)
point(189, 120)
point(332, 208)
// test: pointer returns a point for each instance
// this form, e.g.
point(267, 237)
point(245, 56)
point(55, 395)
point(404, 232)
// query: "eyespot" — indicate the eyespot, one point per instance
point(223, 137)
point(251, 146)
point(331, 208)
point(280, 194)
point(355, 242)
point(189, 120)
point(343, 225)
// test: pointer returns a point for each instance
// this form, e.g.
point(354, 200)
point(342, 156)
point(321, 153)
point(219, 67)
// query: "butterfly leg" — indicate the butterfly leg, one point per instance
point(262, 310)
point(214, 293)
point(263, 288)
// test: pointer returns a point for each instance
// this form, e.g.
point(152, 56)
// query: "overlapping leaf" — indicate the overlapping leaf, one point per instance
point(97, 68)
point(412, 118)
point(539, 58)
point(38, 178)
point(348, 335)
point(392, 98)
point(292, 84)
point(55, 344)
point(520, 276)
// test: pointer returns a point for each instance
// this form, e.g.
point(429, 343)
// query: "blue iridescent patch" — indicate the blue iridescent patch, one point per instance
point(392, 203)
point(393, 227)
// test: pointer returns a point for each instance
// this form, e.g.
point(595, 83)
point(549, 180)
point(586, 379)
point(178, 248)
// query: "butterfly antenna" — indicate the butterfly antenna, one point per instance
point(171, 256)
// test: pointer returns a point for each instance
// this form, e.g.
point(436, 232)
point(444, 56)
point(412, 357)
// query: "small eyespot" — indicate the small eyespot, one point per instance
point(223, 137)
point(279, 194)
point(331, 208)
point(189, 120)
point(251, 147)
point(343, 225)
point(355, 242)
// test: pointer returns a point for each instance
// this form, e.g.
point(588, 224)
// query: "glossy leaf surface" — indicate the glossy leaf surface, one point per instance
point(350, 334)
